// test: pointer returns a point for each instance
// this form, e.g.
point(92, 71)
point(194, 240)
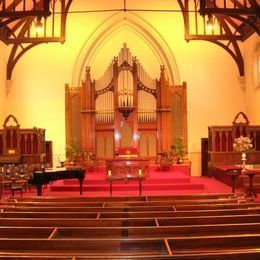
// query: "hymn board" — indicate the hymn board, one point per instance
point(126, 108)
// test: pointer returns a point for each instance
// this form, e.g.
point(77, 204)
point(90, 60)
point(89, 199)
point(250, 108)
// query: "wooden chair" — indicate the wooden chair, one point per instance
point(16, 187)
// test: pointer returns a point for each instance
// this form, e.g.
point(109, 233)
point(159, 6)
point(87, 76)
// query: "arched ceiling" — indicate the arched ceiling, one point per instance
point(235, 21)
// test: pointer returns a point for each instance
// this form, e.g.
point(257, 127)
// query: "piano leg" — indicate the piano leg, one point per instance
point(39, 190)
point(140, 186)
point(80, 185)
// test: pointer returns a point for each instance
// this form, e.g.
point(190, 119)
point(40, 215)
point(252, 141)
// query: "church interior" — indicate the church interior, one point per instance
point(130, 129)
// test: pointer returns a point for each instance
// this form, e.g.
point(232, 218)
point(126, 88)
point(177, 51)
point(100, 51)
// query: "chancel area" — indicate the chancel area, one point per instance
point(129, 129)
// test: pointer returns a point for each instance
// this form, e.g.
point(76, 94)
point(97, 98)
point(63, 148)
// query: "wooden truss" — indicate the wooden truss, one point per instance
point(235, 21)
point(17, 20)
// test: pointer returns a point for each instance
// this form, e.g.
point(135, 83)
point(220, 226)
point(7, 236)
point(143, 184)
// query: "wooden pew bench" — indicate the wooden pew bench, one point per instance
point(227, 202)
point(207, 220)
point(177, 227)
point(241, 255)
point(37, 257)
point(76, 222)
point(25, 232)
point(132, 198)
point(126, 212)
point(80, 199)
point(132, 247)
point(161, 232)
point(92, 247)
point(164, 232)
point(194, 196)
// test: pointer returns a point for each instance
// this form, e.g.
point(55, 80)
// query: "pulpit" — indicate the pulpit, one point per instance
point(127, 169)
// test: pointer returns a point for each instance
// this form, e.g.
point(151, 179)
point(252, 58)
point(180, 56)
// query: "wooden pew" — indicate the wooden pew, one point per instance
point(126, 220)
point(127, 214)
point(129, 232)
point(132, 247)
point(227, 202)
point(177, 227)
point(76, 222)
point(79, 199)
point(241, 255)
point(36, 257)
point(25, 232)
point(86, 247)
point(132, 198)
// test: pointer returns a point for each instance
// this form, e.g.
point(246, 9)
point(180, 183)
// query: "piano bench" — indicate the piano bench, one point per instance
point(15, 188)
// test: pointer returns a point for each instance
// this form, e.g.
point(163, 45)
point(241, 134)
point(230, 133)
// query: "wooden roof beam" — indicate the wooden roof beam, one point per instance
point(239, 8)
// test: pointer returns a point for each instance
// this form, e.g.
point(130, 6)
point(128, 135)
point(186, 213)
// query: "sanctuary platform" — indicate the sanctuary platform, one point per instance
point(175, 181)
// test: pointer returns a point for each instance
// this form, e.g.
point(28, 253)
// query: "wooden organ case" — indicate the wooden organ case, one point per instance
point(125, 108)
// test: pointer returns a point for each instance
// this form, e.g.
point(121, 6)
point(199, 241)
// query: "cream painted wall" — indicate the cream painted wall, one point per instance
point(214, 92)
point(250, 49)
point(2, 82)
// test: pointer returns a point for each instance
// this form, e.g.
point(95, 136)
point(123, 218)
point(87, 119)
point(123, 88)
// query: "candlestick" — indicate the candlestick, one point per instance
point(109, 173)
point(140, 172)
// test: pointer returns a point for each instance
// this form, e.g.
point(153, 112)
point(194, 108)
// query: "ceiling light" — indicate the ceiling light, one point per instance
point(38, 25)
point(210, 23)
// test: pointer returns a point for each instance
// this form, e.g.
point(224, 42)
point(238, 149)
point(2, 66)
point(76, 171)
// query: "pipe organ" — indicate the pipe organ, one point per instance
point(125, 107)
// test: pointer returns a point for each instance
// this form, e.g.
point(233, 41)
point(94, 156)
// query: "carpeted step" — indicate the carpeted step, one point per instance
point(129, 187)
point(148, 181)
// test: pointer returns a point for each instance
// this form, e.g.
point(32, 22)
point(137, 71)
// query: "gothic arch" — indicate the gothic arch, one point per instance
point(9, 118)
point(142, 29)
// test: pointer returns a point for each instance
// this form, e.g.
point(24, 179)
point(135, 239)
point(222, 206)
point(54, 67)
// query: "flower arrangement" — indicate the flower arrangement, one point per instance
point(242, 144)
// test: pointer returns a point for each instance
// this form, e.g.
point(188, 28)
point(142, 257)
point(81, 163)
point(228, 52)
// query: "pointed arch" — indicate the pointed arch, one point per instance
point(142, 29)
point(9, 118)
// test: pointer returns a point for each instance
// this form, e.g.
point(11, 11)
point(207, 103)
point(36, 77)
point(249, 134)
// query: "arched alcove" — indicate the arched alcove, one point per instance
point(126, 44)
point(137, 27)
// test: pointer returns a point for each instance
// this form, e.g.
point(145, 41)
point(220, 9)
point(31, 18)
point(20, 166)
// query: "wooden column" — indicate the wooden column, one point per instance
point(181, 90)
point(164, 121)
point(67, 114)
point(87, 114)
point(116, 104)
point(135, 105)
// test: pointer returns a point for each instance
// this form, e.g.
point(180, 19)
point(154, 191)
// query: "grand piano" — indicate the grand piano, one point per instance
point(44, 176)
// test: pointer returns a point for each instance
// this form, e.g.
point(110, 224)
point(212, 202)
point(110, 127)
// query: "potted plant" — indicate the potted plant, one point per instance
point(178, 149)
point(73, 151)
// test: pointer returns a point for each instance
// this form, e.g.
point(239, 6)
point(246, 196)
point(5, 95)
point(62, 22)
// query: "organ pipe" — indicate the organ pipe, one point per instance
point(105, 101)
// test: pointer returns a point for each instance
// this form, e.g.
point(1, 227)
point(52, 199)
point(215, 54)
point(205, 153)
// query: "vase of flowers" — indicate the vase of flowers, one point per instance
point(243, 144)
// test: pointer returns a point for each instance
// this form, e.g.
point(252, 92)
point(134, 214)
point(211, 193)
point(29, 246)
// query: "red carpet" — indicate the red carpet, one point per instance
point(158, 183)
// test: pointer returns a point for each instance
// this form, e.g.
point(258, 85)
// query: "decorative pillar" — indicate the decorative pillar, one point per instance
point(67, 114)
point(164, 121)
point(117, 120)
point(87, 114)
point(135, 105)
